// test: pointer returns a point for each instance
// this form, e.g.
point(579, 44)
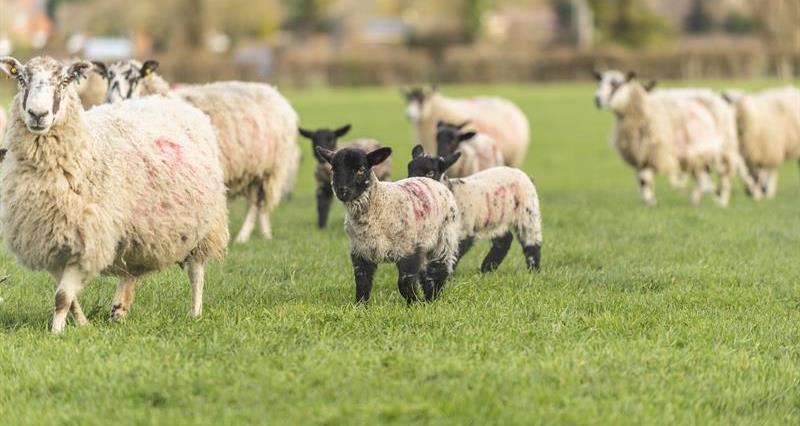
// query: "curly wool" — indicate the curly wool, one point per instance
point(121, 189)
point(478, 153)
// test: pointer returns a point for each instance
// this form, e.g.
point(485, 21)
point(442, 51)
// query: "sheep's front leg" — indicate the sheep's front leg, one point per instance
point(250, 217)
point(69, 284)
point(726, 171)
point(196, 274)
point(645, 177)
point(771, 184)
point(497, 253)
point(123, 299)
point(364, 271)
point(463, 247)
point(324, 198)
point(435, 275)
point(407, 273)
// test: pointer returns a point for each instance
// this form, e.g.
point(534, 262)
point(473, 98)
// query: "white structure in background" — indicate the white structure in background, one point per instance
point(5, 46)
point(107, 48)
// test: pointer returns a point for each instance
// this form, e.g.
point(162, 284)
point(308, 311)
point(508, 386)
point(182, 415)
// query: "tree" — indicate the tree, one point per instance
point(627, 22)
point(698, 20)
point(473, 17)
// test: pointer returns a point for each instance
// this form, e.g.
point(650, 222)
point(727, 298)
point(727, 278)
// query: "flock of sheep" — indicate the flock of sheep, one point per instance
point(110, 170)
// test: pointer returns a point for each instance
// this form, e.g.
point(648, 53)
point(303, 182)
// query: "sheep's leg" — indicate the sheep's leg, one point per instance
point(726, 171)
point(69, 284)
point(77, 313)
point(407, 273)
point(645, 178)
point(497, 253)
point(697, 187)
point(771, 184)
point(123, 299)
point(364, 271)
point(463, 247)
point(196, 274)
point(749, 176)
point(263, 215)
point(250, 217)
point(706, 182)
point(678, 180)
point(435, 276)
point(324, 198)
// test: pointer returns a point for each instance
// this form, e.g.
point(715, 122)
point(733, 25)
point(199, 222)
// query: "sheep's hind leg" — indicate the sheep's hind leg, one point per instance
point(435, 277)
point(463, 247)
point(771, 184)
point(324, 198)
point(263, 215)
point(196, 274)
point(250, 217)
point(697, 187)
point(645, 178)
point(726, 171)
point(69, 284)
point(497, 253)
point(408, 270)
point(123, 299)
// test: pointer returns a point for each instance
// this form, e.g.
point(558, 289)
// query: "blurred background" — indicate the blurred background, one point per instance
point(390, 42)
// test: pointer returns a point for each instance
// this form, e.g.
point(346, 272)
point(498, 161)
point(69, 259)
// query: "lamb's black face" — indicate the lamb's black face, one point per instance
point(448, 136)
point(324, 138)
point(429, 166)
point(352, 169)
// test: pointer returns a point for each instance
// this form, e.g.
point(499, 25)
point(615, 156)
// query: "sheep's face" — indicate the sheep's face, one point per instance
point(449, 136)
point(608, 83)
point(352, 170)
point(43, 82)
point(124, 78)
point(429, 166)
point(324, 138)
point(418, 104)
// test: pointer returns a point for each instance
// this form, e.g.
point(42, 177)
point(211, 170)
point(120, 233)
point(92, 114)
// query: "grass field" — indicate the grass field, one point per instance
point(672, 315)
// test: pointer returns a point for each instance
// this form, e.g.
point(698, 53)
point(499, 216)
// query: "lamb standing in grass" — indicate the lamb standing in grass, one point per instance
point(412, 223)
point(769, 134)
point(256, 129)
point(478, 151)
point(326, 138)
point(119, 190)
point(496, 117)
point(491, 204)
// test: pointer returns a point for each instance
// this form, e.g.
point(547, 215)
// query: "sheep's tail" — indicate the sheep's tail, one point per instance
point(529, 228)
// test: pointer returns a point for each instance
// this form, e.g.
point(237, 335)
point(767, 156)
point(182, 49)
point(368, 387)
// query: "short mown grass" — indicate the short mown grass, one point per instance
point(670, 315)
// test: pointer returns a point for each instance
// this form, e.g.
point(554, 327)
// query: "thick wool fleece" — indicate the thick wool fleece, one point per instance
point(322, 173)
point(494, 200)
point(121, 189)
point(769, 127)
point(478, 153)
point(498, 118)
point(391, 220)
point(92, 90)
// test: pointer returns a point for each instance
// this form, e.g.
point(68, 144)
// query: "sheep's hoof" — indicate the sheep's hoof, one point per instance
point(118, 313)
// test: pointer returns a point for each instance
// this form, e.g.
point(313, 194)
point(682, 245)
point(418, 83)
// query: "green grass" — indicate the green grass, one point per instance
point(672, 315)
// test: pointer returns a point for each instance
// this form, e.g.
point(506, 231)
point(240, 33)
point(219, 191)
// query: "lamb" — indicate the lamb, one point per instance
point(256, 129)
point(327, 138)
point(665, 133)
point(496, 117)
point(478, 150)
point(769, 134)
point(412, 223)
point(120, 190)
point(491, 203)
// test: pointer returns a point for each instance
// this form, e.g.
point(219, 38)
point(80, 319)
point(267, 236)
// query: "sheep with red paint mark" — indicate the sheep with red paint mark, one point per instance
point(491, 203)
point(327, 138)
point(412, 223)
point(256, 130)
point(478, 151)
point(121, 190)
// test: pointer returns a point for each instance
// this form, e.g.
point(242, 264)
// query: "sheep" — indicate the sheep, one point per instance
point(256, 129)
point(92, 89)
point(491, 203)
point(478, 150)
point(769, 134)
point(496, 117)
point(326, 138)
point(120, 190)
point(670, 134)
point(2, 123)
point(412, 223)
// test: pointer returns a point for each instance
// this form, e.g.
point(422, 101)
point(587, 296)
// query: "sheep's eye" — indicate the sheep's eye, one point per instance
point(429, 174)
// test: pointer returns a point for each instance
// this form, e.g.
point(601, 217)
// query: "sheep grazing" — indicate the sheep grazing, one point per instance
point(478, 151)
point(119, 190)
point(496, 117)
point(769, 134)
point(412, 223)
point(256, 129)
point(491, 204)
point(326, 138)
point(670, 134)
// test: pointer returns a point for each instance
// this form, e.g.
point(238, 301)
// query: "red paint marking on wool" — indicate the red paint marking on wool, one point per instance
point(421, 200)
point(165, 145)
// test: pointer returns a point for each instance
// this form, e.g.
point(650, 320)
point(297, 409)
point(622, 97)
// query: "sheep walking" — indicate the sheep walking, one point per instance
point(412, 223)
point(478, 151)
point(256, 129)
point(120, 190)
point(327, 138)
point(496, 117)
point(491, 203)
point(769, 134)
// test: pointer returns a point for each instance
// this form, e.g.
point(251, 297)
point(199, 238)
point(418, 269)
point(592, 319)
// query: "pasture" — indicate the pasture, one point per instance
point(671, 315)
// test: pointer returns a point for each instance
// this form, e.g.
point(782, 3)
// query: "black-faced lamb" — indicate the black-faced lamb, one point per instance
point(478, 151)
point(491, 203)
point(412, 223)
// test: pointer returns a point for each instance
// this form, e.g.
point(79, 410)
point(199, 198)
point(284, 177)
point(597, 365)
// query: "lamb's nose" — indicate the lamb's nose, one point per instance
point(38, 116)
point(343, 191)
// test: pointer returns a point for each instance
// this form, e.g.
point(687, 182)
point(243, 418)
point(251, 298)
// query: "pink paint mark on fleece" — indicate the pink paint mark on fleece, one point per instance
point(164, 145)
point(421, 199)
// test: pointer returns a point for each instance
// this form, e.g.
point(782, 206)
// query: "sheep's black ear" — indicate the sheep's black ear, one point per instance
point(100, 68)
point(630, 76)
point(446, 162)
point(417, 151)
point(3, 154)
point(597, 75)
point(342, 130)
point(650, 85)
point(440, 123)
point(462, 125)
point(378, 156)
point(78, 70)
point(148, 67)
point(306, 133)
point(12, 67)
point(325, 154)
point(466, 136)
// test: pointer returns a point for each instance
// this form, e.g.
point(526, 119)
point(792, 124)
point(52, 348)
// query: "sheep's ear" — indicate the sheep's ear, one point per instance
point(342, 130)
point(306, 133)
point(378, 156)
point(650, 85)
point(446, 162)
point(78, 70)
point(462, 125)
point(3, 154)
point(325, 154)
point(440, 123)
point(597, 75)
point(148, 67)
point(630, 76)
point(731, 97)
point(466, 136)
point(12, 67)
point(101, 69)
point(417, 151)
